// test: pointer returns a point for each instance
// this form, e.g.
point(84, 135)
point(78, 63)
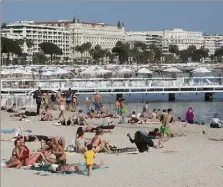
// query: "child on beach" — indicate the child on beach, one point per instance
point(89, 156)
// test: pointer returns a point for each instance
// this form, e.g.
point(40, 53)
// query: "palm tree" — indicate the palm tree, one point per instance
point(174, 49)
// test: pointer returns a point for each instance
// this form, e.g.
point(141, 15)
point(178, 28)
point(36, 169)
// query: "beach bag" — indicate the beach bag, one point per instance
point(62, 107)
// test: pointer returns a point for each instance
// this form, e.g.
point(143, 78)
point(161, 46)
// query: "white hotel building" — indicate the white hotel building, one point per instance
point(38, 33)
point(165, 38)
point(66, 34)
point(213, 42)
point(96, 33)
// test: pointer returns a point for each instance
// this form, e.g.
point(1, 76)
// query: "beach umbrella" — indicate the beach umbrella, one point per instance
point(172, 70)
point(201, 70)
point(144, 71)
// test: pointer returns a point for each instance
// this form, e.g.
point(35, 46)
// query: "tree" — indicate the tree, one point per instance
point(10, 46)
point(39, 58)
point(50, 49)
point(174, 49)
point(219, 53)
point(80, 49)
point(97, 53)
point(122, 50)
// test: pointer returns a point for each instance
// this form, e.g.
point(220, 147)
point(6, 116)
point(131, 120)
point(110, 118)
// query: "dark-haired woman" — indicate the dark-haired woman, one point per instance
point(80, 141)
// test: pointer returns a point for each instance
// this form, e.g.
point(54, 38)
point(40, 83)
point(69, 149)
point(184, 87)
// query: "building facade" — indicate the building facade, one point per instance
point(96, 33)
point(38, 33)
point(213, 42)
point(163, 39)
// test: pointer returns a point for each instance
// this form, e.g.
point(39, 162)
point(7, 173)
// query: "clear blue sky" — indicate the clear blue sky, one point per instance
point(137, 16)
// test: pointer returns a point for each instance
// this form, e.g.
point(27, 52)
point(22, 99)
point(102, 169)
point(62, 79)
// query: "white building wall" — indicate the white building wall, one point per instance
point(38, 34)
point(96, 33)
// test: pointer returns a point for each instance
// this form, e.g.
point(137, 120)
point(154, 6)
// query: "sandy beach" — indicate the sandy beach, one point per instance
point(189, 161)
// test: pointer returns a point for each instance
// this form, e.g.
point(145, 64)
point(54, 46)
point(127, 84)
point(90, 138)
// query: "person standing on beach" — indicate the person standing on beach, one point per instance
point(68, 99)
point(38, 96)
point(97, 101)
point(165, 128)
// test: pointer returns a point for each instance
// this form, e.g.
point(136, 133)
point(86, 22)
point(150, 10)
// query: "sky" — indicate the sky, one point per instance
point(137, 16)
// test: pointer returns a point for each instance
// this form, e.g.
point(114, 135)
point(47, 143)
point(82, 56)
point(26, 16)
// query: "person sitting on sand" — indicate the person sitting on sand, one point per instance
point(162, 115)
point(80, 141)
point(16, 159)
point(21, 156)
point(158, 114)
point(142, 141)
point(56, 149)
point(164, 129)
point(216, 122)
point(133, 119)
point(145, 110)
point(190, 116)
point(72, 168)
point(46, 115)
point(98, 144)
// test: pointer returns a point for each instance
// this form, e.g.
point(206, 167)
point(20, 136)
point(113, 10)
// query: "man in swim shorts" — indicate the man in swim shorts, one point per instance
point(164, 129)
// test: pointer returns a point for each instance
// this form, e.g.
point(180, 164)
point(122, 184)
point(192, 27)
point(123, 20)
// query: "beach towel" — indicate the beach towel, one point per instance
point(46, 168)
point(127, 150)
point(14, 131)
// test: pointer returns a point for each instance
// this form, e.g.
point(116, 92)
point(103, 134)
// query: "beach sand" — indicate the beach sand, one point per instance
point(188, 161)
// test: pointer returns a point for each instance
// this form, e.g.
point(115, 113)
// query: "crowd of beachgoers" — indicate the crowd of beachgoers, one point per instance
point(53, 149)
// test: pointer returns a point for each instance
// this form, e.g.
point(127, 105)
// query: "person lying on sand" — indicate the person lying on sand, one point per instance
point(142, 141)
point(70, 168)
point(33, 138)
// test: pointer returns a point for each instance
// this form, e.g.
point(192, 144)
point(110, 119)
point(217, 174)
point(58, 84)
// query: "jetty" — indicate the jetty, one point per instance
point(119, 86)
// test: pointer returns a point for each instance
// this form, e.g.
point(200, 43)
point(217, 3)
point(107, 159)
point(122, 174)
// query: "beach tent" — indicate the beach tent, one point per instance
point(102, 71)
point(144, 71)
point(48, 73)
point(172, 70)
point(60, 71)
point(201, 70)
point(125, 71)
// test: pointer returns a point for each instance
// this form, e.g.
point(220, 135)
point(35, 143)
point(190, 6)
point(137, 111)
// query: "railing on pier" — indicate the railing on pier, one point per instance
point(112, 83)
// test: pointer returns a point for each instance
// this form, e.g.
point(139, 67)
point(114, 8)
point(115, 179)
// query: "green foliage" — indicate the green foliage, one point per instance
point(10, 46)
point(50, 49)
point(39, 58)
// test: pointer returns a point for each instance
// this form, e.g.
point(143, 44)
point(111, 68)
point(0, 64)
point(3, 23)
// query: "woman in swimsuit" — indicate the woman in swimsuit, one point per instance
point(62, 106)
point(15, 160)
point(80, 141)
